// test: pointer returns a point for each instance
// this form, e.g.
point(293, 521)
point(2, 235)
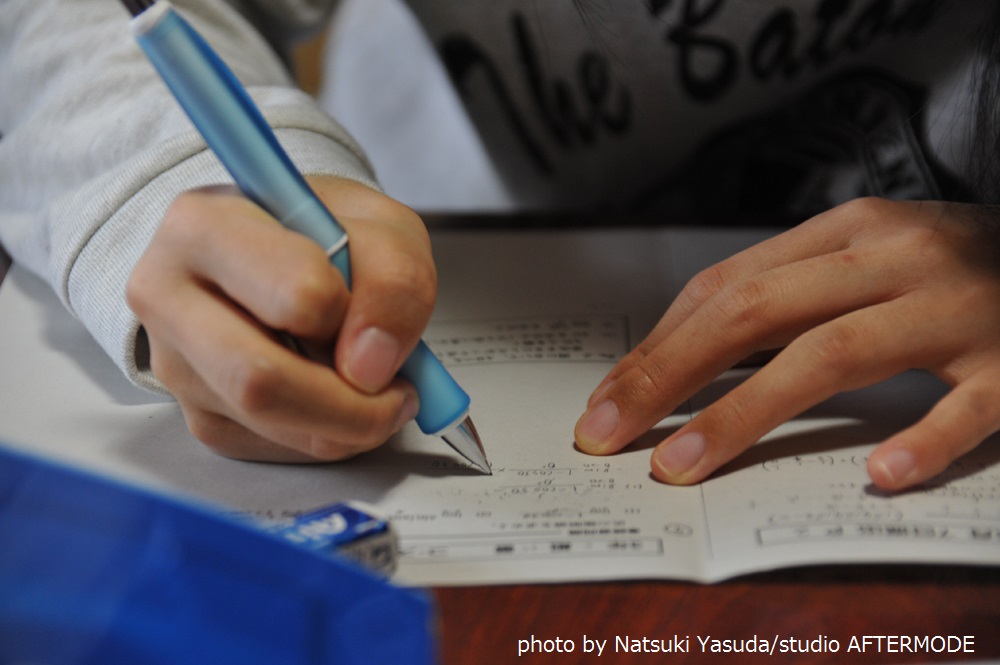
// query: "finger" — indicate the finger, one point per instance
point(203, 412)
point(206, 417)
point(284, 279)
point(273, 391)
point(959, 422)
point(854, 351)
point(228, 438)
point(201, 409)
point(764, 311)
point(393, 290)
point(827, 233)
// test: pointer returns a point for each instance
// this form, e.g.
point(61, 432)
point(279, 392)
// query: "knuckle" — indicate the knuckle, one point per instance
point(374, 428)
point(837, 348)
point(981, 401)
point(417, 281)
point(183, 219)
point(206, 429)
point(860, 217)
point(386, 207)
point(743, 305)
point(325, 449)
point(705, 284)
point(921, 249)
point(647, 381)
point(312, 290)
point(213, 430)
point(635, 357)
point(361, 434)
point(865, 208)
point(254, 387)
point(979, 408)
point(359, 426)
point(862, 204)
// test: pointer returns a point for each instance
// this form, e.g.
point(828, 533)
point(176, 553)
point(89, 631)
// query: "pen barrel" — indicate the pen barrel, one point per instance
point(232, 125)
point(443, 403)
point(240, 137)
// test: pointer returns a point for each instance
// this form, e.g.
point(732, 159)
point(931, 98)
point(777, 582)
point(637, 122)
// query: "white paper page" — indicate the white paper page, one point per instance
point(802, 493)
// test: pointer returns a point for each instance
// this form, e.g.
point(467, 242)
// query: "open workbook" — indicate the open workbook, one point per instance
point(529, 322)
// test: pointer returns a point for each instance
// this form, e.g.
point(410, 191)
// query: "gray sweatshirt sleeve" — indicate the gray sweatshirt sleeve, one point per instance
point(93, 149)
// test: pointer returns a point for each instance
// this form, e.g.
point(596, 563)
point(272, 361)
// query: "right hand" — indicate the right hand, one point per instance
point(221, 278)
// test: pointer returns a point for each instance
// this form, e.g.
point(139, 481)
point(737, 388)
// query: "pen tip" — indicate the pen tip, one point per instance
point(482, 463)
point(465, 440)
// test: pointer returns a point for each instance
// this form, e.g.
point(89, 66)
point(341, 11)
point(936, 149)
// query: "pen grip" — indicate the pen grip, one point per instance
point(443, 403)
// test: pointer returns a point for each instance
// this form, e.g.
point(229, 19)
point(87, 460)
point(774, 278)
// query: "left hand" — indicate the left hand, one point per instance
point(853, 296)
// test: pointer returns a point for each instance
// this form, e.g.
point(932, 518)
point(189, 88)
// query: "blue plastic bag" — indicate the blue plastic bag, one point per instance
point(94, 571)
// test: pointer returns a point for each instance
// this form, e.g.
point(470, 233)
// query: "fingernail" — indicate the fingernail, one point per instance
point(371, 361)
point(897, 464)
point(597, 425)
point(681, 454)
point(409, 411)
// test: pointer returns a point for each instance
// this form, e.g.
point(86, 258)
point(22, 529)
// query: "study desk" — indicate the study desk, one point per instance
point(485, 624)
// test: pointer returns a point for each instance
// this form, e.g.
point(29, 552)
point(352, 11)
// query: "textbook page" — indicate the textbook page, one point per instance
point(529, 322)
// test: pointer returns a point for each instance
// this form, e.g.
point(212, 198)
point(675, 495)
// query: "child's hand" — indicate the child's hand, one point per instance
point(855, 295)
point(221, 277)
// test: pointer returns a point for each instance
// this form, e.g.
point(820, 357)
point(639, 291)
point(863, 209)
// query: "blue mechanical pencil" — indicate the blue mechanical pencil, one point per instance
point(237, 133)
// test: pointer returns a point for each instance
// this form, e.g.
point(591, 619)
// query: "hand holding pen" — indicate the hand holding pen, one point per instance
point(242, 391)
point(220, 276)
